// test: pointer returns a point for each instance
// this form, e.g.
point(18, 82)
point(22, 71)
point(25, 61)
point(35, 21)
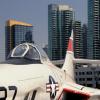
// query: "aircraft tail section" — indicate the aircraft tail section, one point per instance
point(68, 64)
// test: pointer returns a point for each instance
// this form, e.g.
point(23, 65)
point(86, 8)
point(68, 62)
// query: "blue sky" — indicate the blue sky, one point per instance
point(35, 12)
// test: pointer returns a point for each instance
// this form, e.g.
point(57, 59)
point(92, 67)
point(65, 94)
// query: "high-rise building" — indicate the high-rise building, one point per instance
point(78, 43)
point(84, 40)
point(16, 32)
point(93, 29)
point(59, 29)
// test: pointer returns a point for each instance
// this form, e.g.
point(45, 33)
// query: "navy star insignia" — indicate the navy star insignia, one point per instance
point(52, 87)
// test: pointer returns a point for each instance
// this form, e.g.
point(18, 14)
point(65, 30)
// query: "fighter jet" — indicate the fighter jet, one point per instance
point(28, 74)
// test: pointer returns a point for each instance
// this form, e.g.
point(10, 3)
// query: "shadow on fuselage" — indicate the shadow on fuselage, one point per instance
point(21, 61)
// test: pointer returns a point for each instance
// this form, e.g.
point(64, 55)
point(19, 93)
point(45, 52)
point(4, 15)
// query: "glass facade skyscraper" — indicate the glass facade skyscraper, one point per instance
point(78, 43)
point(16, 32)
point(59, 29)
point(84, 40)
point(93, 29)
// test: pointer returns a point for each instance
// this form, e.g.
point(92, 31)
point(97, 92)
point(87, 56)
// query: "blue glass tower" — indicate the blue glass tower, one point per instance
point(16, 33)
point(59, 28)
point(93, 29)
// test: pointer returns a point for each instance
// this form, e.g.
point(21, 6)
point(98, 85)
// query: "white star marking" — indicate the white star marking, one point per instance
point(53, 88)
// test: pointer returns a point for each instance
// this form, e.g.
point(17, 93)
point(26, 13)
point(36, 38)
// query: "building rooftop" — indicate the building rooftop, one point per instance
point(11, 22)
point(64, 7)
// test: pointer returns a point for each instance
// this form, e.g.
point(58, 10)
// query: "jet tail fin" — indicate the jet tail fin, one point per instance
point(68, 64)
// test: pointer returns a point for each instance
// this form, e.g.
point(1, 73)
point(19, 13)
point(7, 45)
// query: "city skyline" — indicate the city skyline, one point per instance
point(35, 12)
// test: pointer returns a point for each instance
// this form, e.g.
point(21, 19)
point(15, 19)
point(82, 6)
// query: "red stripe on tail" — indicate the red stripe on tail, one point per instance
point(70, 45)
